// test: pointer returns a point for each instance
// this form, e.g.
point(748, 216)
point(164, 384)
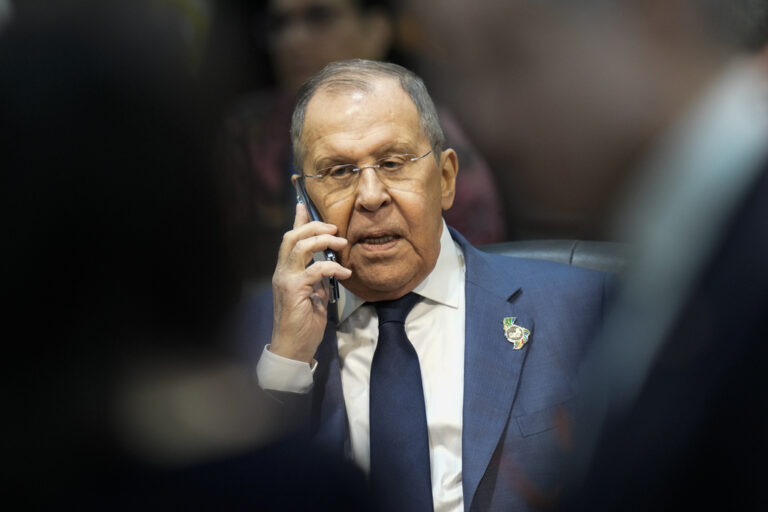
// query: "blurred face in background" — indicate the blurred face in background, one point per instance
point(305, 35)
point(559, 97)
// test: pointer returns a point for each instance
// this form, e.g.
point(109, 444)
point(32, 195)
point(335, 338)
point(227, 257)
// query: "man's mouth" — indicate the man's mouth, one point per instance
point(378, 240)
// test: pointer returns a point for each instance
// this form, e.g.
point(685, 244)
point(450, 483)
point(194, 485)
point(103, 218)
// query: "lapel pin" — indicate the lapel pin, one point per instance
point(515, 334)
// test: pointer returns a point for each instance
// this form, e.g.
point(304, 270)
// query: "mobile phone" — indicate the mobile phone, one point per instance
point(303, 198)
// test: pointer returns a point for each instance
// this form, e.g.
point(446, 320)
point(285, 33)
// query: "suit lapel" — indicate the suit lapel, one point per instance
point(492, 367)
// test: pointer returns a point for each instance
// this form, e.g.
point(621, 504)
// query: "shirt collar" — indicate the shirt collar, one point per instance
point(442, 285)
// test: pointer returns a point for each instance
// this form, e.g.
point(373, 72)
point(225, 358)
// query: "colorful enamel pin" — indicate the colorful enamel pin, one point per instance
point(515, 334)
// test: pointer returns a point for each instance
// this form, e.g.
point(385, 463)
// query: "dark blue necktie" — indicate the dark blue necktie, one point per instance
point(400, 472)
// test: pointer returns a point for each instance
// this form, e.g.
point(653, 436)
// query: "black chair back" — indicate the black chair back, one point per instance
point(604, 256)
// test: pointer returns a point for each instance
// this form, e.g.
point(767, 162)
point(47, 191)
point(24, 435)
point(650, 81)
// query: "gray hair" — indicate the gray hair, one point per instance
point(357, 75)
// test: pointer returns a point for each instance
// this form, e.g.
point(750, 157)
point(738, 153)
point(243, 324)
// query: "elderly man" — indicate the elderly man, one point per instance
point(441, 370)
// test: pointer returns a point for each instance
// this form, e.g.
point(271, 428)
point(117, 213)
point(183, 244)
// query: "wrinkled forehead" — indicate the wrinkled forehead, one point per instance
point(354, 119)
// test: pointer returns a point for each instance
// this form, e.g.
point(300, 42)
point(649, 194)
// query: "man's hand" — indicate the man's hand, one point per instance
point(300, 299)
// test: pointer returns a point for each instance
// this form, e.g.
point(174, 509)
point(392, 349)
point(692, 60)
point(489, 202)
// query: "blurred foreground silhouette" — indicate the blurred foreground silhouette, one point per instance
point(120, 386)
point(645, 121)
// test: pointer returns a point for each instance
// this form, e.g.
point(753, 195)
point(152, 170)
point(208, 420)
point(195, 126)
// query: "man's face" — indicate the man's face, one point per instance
point(308, 34)
point(393, 230)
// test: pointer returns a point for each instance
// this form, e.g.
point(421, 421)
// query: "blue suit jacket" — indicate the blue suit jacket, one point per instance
point(513, 399)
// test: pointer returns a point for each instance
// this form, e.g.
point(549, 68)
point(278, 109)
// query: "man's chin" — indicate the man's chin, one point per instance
point(374, 286)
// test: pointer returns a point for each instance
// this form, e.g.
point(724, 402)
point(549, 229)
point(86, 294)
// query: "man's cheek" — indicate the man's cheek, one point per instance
point(346, 256)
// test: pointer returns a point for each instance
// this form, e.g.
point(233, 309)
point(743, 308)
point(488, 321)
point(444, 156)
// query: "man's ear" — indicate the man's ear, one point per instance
point(449, 169)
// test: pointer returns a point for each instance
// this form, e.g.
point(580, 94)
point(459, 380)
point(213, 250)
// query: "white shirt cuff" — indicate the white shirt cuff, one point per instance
point(279, 373)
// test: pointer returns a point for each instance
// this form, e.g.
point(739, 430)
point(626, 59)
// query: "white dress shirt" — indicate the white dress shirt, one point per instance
point(435, 327)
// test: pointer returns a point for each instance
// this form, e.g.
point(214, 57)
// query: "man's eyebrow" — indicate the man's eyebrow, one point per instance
point(328, 161)
point(394, 148)
point(389, 148)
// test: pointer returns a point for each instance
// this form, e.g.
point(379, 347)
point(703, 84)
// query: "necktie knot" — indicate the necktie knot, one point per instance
point(395, 310)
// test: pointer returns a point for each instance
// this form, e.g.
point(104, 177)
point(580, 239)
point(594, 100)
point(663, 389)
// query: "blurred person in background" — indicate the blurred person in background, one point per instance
point(518, 110)
point(120, 387)
point(303, 36)
point(649, 118)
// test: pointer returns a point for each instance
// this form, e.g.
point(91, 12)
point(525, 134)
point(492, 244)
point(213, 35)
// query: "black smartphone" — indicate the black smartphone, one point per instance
point(303, 198)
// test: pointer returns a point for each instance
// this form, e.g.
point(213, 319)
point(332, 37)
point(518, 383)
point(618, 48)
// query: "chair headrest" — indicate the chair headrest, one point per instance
point(597, 255)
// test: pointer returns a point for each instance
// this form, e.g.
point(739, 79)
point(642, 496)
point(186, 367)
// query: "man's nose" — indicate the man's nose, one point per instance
point(372, 193)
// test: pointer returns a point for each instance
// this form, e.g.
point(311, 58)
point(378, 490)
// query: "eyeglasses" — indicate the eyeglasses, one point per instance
point(389, 169)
